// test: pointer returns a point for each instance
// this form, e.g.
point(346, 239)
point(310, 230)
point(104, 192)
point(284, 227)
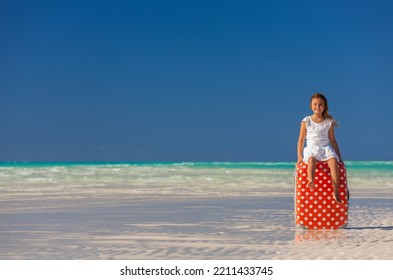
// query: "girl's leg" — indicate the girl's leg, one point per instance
point(311, 172)
point(333, 165)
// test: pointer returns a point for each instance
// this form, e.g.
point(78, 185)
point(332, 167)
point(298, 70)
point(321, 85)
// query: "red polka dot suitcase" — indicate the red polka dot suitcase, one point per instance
point(317, 209)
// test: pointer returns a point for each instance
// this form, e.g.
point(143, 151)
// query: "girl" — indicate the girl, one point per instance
point(321, 145)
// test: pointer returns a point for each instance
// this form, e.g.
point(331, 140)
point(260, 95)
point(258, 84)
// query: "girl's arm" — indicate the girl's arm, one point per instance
point(301, 141)
point(333, 142)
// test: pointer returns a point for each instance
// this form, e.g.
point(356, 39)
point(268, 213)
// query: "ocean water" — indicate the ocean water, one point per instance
point(133, 180)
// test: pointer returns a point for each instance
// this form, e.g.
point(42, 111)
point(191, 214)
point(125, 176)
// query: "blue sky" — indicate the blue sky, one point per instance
point(149, 80)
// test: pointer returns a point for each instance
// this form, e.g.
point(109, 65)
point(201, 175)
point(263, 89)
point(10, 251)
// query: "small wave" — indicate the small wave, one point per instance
point(372, 165)
point(241, 165)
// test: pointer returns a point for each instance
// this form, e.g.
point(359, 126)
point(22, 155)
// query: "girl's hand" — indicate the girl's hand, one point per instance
point(299, 160)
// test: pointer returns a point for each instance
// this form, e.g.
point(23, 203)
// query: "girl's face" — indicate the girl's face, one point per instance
point(317, 106)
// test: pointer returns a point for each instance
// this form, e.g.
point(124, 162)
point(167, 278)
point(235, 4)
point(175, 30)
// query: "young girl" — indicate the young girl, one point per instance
point(321, 145)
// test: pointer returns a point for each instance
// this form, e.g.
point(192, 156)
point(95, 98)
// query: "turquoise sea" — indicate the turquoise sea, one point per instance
point(153, 179)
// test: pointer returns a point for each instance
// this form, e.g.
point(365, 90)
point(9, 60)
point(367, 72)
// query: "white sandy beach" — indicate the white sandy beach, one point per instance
point(203, 228)
point(54, 213)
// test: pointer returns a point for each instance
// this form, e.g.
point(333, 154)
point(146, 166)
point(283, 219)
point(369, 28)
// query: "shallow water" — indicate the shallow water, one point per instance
point(146, 180)
point(182, 211)
point(200, 228)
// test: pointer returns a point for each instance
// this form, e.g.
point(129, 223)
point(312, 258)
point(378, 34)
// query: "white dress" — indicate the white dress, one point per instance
point(317, 140)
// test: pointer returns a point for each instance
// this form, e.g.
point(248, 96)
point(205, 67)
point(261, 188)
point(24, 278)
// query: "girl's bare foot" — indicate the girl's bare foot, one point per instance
point(337, 197)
